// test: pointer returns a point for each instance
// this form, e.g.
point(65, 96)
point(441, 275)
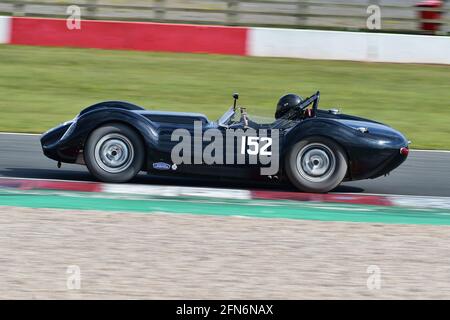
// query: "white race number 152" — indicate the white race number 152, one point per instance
point(256, 145)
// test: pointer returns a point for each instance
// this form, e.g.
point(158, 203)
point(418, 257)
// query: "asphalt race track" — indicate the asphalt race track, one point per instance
point(423, 174)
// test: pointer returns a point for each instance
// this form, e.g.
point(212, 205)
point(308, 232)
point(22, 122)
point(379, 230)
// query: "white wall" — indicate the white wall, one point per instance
point(5, 29)
point(340, 45)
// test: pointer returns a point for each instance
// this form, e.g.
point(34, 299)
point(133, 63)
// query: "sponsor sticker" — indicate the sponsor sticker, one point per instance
point(161, 166)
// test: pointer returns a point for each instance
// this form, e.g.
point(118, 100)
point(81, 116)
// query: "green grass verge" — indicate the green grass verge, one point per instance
point(40, 87)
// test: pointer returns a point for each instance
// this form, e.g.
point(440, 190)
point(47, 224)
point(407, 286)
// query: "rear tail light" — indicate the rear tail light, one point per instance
point(404, 151)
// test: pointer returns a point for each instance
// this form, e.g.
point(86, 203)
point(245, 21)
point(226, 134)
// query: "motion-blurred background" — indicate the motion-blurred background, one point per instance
point(398, 15)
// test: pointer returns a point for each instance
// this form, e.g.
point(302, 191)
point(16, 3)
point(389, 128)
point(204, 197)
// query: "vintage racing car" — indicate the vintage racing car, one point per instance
point(315, 149)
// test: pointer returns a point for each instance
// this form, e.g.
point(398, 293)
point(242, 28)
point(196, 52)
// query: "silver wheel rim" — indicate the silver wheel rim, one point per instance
point(316, 162)
point(114, 153)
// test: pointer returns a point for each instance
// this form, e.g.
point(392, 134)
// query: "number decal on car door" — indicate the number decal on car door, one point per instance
point(256, 145)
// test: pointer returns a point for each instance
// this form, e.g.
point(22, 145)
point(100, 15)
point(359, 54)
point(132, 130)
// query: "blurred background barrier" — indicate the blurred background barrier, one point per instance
point(275, 42)
point(355, 46)
point(130, 36)
point(5, 24)
point(406, 16)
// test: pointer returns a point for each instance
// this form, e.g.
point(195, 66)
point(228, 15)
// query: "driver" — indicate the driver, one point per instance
point(286, 103)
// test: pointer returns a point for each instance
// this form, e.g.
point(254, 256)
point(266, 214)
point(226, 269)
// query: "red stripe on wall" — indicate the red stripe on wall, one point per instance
point(130, 36)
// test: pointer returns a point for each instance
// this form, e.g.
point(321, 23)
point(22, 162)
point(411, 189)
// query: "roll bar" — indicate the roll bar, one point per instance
point(313, 99)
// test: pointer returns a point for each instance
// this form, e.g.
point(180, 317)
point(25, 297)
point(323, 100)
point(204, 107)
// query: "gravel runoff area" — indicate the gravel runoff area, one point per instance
point(166, 256)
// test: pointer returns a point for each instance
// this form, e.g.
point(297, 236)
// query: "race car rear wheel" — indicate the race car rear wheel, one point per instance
point(316, 164)
point(114, 153)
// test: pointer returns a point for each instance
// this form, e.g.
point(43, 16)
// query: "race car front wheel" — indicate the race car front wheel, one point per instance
point(114, 153)
point(316, 164)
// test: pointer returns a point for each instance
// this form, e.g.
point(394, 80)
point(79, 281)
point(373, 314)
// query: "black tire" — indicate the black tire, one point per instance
point(316, 164)
point(114, 153)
